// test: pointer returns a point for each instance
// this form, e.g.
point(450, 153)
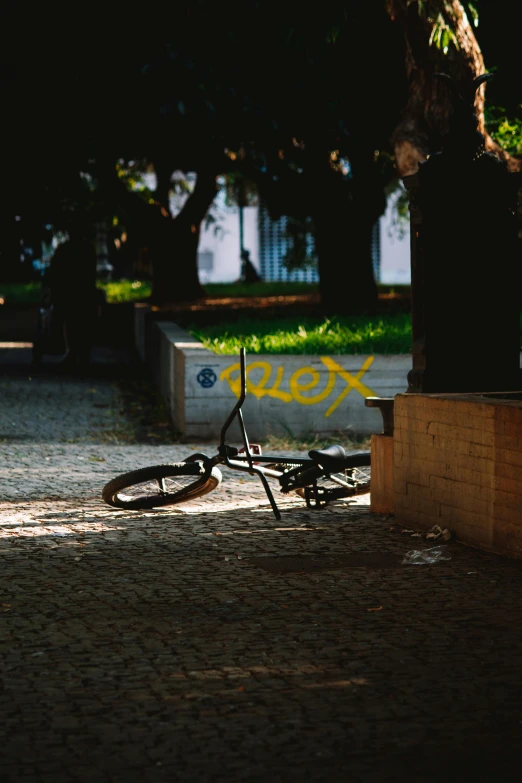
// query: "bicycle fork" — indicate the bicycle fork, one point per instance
point(226, 452)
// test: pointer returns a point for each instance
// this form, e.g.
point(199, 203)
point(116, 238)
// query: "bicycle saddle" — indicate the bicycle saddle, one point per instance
point(331, 458)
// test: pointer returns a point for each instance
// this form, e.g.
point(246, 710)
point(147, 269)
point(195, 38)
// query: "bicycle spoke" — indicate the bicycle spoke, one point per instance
point(161, 486)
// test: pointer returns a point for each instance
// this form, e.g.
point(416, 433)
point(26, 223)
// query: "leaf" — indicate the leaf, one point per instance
point(474, 14)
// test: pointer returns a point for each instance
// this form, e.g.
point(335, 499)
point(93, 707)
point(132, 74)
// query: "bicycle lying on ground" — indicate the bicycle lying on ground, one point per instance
point(328, 474)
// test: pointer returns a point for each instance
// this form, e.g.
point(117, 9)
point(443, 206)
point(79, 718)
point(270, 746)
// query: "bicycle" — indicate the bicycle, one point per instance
point(328, 474)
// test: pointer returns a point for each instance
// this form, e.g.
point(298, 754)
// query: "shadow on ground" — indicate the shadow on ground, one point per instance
point(164, 646)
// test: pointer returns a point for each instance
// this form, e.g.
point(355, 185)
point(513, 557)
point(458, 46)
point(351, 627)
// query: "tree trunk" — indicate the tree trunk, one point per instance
point(343, 244)
point(344, 215)
point(425, 116)
point(173, 242)
point(174, 264)
point(175, 246)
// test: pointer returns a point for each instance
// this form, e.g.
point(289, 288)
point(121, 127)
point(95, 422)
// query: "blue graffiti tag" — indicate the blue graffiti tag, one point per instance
point(207, 378)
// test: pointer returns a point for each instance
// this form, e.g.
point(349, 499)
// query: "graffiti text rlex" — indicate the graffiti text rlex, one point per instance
point(261, 387)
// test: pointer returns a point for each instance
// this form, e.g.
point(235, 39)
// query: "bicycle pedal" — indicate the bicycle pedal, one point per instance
point(316, 497)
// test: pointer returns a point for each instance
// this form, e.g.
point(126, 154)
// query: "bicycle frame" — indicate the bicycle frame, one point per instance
point(226, 452)
point(230, 456)
point(294, 474)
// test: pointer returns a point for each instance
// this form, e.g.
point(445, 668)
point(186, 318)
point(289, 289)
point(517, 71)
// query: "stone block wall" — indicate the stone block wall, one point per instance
point(458, 464)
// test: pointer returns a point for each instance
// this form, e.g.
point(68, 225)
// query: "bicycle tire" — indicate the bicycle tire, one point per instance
point(145, 492)
point(361, 464)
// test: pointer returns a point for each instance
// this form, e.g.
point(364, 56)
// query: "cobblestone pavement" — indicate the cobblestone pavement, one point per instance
point(209, 642)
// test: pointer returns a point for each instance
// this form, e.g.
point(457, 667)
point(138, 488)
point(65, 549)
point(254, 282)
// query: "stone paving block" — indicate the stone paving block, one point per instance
point(154, 648)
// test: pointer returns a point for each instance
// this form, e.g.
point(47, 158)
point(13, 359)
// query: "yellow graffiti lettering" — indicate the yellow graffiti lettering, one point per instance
point(257, 389)
point(234, 383)
point(352, 381)
point(275, 392)
point(260, 389)
point(296, 387)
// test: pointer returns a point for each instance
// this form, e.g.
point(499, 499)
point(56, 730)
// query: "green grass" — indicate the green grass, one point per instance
point(20, 293)
point(118, 291)
point(132, 290)
point(126, 290)
point(314, 441)
point(388, 334)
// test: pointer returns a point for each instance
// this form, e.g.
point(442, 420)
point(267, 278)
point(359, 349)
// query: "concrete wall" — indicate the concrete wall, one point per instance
point(458, 464)
point(293, 395)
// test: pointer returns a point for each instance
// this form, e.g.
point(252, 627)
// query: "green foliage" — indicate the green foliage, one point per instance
point(132, 174)
point(355, 335)
point(507, 131)
point(473, 14)
point(442, 33)
point(126, 290)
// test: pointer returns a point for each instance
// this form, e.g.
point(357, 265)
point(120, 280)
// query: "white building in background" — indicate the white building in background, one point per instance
point(219, 260)
point(394, 266)
point(265, 239)
point(218, 252)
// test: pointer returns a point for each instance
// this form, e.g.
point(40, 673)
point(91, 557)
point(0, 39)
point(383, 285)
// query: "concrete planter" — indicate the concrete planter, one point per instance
point(296, 395)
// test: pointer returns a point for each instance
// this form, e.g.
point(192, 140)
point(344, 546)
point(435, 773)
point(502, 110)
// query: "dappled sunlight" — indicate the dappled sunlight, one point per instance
point(41, 529)
point(56, 519)
point(66, 525)
point(254, 531)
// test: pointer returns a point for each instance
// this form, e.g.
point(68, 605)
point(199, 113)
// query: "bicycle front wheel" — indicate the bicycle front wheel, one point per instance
point(160, 485)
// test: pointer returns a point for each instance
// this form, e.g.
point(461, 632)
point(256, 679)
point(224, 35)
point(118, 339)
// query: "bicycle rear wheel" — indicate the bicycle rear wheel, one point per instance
point(335, 486)
point(361, 472)
point(361, 477)
point(160, 485)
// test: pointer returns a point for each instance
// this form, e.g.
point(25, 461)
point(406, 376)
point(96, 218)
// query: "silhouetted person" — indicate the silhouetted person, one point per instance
point(71, 280)
point(249, 273)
